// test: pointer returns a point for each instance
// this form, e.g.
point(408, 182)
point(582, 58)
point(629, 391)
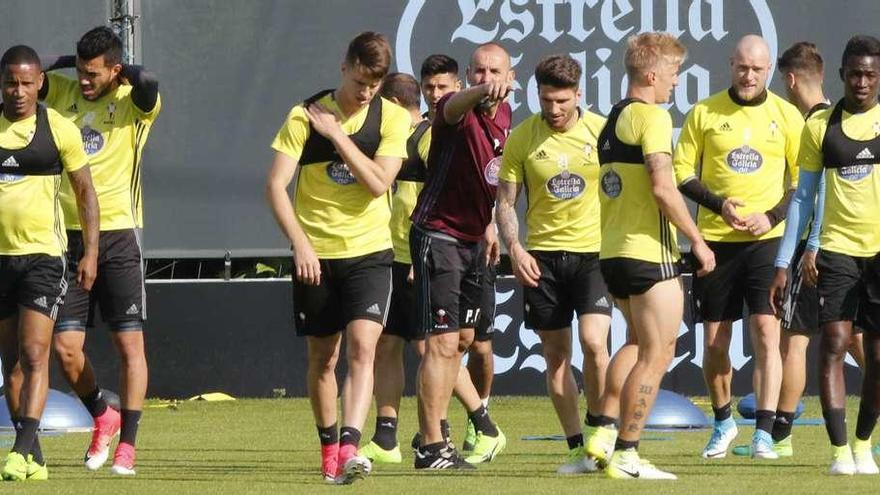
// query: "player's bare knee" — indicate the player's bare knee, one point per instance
point(444, 348)
point(717, 351)
point(33, 357)
point(834, 346)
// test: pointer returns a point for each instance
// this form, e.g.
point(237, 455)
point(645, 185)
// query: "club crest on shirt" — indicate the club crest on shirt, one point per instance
point(744, 160)
point(854, 173)
point(111, 113)
point(340, 173)
point(612, 184)
point(490, 171)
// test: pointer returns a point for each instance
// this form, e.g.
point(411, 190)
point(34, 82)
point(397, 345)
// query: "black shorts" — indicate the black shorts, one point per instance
point(33, 281)
point(484, 328)
point(119, 286)
point(570, 283)
point(800, 312)
point(743, 272)
point(351, 289)
point(849, 289)
point(627, 277)
point(449, 280)
point(403, 316)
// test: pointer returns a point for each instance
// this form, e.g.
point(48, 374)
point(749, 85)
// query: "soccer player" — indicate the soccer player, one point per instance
point(639, 253)
point(348, 145)
point(114, 105)
point(843, 142)
point(36, 146)
point(802, 69)
point(737, 159)
point(452, 217)
point(554, 154)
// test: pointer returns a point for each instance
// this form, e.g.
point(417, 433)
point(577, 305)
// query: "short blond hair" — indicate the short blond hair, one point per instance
point(646, 50)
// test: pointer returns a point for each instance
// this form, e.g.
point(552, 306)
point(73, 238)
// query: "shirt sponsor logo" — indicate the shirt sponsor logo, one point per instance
point(566, 185)
point(612, 184)
point(340, 174)
point(725, 127)
point(93, 141)
point(854, 172)
point(9, 178)
point(10, 162)
point(744, 160)
point(490, 171)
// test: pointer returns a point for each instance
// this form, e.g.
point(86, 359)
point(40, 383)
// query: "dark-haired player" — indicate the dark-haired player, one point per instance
point(114, 105)
point(36, 146)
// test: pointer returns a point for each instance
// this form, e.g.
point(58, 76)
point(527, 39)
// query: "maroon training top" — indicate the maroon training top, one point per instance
point(463, 167)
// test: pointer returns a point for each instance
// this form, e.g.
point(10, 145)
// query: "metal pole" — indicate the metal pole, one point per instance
point(124, 17)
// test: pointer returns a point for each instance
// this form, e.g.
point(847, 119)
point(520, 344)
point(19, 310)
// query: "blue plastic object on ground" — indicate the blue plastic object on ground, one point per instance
point(746, 407)
point(62, 413)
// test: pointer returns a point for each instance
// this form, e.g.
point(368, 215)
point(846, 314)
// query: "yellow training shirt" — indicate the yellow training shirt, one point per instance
point(632, 224)
point(747, 152)
point(560, 171)
point(851, 224)
point(114, 131)
point(341, 218)
point(402, 203)
point(31, 221)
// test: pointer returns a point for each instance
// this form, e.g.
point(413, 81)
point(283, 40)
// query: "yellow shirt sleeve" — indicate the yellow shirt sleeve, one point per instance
point(689, 149)
point(395, 131)
point(655, 134)
point(152, 114)
point(793, 130)
point(68, 140)
point(512, 159)
point(424, 146)
point(292, 136)
point(810, 150)
point(60, 86)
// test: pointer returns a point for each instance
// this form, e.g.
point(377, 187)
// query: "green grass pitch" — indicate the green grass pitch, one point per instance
point(270, 446)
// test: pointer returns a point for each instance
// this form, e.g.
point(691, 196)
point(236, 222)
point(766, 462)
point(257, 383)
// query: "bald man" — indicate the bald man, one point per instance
point(737, 159)
point(452, 217)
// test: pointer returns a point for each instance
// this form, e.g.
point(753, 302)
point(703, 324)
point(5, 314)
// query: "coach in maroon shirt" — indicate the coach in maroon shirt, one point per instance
point(452, 216)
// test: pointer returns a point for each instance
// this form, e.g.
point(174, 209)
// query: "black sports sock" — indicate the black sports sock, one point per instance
point(445, 430)
point(386, 432)
point(482, 422)
point(36, 451)
point(349, 436)
point(764, 420)
point(94, 402)
point(866, 422)
point(25, 434)
point(621, 444)
point(575, 441)
point(328, 434)
point(432, 448)
point(606, 421)
point(782, 425)
point(128, 432)
point(721, 413)
point(591, 420)
point(835, 424)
